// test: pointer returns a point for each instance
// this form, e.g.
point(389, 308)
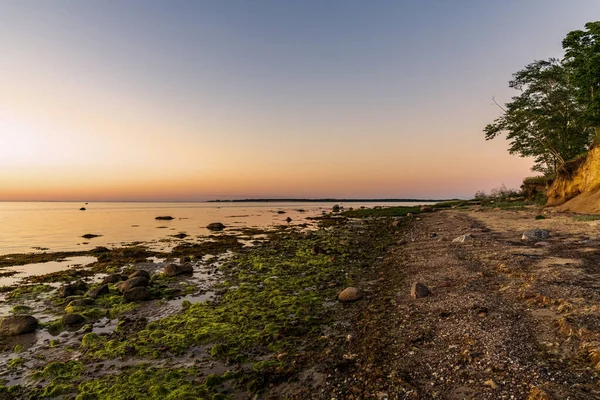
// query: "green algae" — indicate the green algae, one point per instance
point(382, 212)
point(145, 382)
point(270, 301)
point(61, 378)
point(28, 292)
point(9, 260)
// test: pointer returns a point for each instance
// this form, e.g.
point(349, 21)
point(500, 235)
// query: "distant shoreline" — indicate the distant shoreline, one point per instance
point(329, 200)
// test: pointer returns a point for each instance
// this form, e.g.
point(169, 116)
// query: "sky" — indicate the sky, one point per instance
point(219, 99)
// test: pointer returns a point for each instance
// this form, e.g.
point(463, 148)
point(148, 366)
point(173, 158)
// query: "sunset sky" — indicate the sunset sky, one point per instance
point(195, 100)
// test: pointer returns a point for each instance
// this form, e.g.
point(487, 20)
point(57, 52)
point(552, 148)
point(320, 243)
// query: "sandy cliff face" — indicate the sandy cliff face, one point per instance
point(577, 186)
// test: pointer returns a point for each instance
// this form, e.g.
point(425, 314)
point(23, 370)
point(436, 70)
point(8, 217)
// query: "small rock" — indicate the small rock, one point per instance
point(113, 278)
point(17, 325)
point(288, 219)
point(90, 236)
point(132, 283)
point(463, 238)
point(97, 291)
point(426, 209)
point(164, 218)
point(335, 208)
point(140, 273)
point(215, 226)
point(349, 294)
point(535, 234)
point(82, 209)
point(139, 293)
point(542, 244)
point(178, 269)
point(81, 302)
point(418, 290)
point(396, 223)
point(71, 289)
point(409, 214)
point(491, 384)
point(72, 319)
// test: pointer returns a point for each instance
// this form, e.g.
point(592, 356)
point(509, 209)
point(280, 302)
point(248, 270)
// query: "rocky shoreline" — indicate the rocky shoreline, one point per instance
point(391, 305)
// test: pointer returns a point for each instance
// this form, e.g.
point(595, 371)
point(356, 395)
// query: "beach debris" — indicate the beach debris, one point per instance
point(140, 273)
point(164, 218)
point(131, 283)
point(71, 289)
point(178, 269)
point(463, 238)
point(17, 324)
point(350, 294)
point(215, 226)
point(72, 319)
point(535, 234)
point(97, 291)
point(139, 293)
point(418, 290)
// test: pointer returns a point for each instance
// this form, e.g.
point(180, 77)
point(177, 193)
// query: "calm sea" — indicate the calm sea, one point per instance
point(31, 226)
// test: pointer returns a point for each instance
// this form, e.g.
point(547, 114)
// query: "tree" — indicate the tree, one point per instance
point(546, 120)
point(582, 56)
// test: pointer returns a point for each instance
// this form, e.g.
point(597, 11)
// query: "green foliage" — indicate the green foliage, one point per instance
point(582, 56)
point(545, 121)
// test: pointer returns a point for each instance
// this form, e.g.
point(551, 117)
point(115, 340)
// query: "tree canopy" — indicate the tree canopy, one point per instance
point(546, 120)
point(554, 117)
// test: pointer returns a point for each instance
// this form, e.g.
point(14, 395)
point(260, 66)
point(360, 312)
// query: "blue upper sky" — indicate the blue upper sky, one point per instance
point(366, 98)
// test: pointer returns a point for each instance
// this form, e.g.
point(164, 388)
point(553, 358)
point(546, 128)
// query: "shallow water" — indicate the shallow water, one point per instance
point(31, 226)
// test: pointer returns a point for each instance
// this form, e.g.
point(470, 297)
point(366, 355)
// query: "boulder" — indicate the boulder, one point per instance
point(139, 293)
point(215, 226)
point(72, 319)
point(132, 283)
point(140, 273)
point(178, 269)
point(17, 325)
point(97, 291)
point(425, 209)
point(418, 290)
point(113, 278)
point(463, 238)
point(535, 234)
point(335, 208)
point(72, 289)
point(350, 294)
